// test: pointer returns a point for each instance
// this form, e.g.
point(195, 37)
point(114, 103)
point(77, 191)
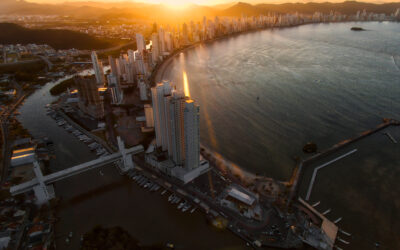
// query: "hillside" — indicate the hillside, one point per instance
point(161, 13)
point(348, 7)
point(58, 39)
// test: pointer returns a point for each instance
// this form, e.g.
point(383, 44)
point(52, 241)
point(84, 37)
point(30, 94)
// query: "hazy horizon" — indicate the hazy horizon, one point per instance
point(206, 2)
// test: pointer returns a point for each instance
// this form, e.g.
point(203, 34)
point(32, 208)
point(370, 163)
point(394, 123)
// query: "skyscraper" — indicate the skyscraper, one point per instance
point(115, 88)
point(113, 66)
point(142, 90)
point(185, 34)
point(90, 101)
point(140, 42)
point(98, 69)
point(158, 93)
point(175, 127)
point(155, 47)
point(161, 40)
point(192, 135)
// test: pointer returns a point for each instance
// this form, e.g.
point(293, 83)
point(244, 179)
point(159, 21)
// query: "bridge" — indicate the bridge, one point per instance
point(82, 63)
point(42, 185)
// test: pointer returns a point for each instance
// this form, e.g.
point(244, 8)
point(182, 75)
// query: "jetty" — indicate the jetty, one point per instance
point(298, 172)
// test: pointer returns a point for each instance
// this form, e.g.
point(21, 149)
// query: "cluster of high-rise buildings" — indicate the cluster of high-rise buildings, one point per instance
point(177, 128)
point(166, 39)
point(174, 116)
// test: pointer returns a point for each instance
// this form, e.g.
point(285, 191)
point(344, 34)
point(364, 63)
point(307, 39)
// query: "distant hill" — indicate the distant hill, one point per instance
point(348, 7)
point(58, 39)
point(92, 10)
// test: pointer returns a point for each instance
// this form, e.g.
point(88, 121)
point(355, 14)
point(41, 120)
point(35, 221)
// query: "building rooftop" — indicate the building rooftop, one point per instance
point(23, 156)
point(241, 195)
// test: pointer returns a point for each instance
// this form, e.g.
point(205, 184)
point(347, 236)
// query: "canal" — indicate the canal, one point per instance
point(91, 199)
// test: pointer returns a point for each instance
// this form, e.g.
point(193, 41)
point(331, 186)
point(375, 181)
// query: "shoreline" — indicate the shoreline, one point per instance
point(163, 64)
point(235, 170)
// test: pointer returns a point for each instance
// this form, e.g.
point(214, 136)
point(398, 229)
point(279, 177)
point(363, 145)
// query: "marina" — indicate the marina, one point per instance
point(177, 198)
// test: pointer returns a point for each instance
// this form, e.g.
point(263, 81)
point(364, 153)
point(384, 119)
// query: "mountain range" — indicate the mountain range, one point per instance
point(160, 12)
point(59, 39)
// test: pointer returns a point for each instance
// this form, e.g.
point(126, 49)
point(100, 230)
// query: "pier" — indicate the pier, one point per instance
point(298, 172)
point(390, 137)
point(322, 166)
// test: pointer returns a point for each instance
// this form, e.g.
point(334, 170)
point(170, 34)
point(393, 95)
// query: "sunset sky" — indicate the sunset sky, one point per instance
point(205, 2)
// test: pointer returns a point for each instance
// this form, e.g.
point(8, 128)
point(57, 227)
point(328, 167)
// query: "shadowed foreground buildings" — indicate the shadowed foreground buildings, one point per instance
point(90, 101)
point(176, 150)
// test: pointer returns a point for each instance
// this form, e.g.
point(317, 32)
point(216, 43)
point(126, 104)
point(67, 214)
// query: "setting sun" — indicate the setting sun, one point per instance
point(176, 4)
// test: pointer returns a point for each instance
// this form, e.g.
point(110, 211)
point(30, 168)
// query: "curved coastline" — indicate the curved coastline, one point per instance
point(223, 164)
point(217, 159)
point(161, 67)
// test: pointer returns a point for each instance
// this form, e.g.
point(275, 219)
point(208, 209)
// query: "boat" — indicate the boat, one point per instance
point(163, 192)
point(192, 211)
point(357, 29)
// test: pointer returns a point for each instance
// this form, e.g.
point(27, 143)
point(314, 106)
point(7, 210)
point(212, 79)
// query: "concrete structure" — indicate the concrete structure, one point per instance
point(323, 231)
point(242, 201)
point(140, 43)
point(98, 69)
point(155, 51)
point(23, 156)
point(177, 127)
point(43, 189)
point(113, 66)
point(160, 124)
point(192, 134)
point(90, 101)
point(148, 111)
point(143, 90)
point(115, 88)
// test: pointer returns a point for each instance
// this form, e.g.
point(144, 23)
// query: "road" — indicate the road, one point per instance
point(4, 115)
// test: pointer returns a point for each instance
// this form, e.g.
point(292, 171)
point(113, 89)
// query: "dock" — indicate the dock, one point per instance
point(298, 172)
point(390, 137)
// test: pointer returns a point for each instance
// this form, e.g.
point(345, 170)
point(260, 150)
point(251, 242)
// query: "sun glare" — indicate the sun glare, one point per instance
point(176, 4)
point(186, 84)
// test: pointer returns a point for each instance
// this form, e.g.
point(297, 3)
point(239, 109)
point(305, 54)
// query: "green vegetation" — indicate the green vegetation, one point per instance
point(108, 238)
point(28, 67)
point(58, 39)
point(62, 86)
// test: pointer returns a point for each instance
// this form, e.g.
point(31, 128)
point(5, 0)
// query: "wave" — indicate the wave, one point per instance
point(396, 61)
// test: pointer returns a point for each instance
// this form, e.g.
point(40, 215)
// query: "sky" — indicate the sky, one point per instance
point(204, 2)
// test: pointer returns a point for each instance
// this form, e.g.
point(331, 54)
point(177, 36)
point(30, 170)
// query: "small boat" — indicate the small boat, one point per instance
point(194, 209)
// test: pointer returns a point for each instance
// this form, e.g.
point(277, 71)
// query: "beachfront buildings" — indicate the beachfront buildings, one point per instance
point(177, 129)
point(90, 101)
point(98, 69)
